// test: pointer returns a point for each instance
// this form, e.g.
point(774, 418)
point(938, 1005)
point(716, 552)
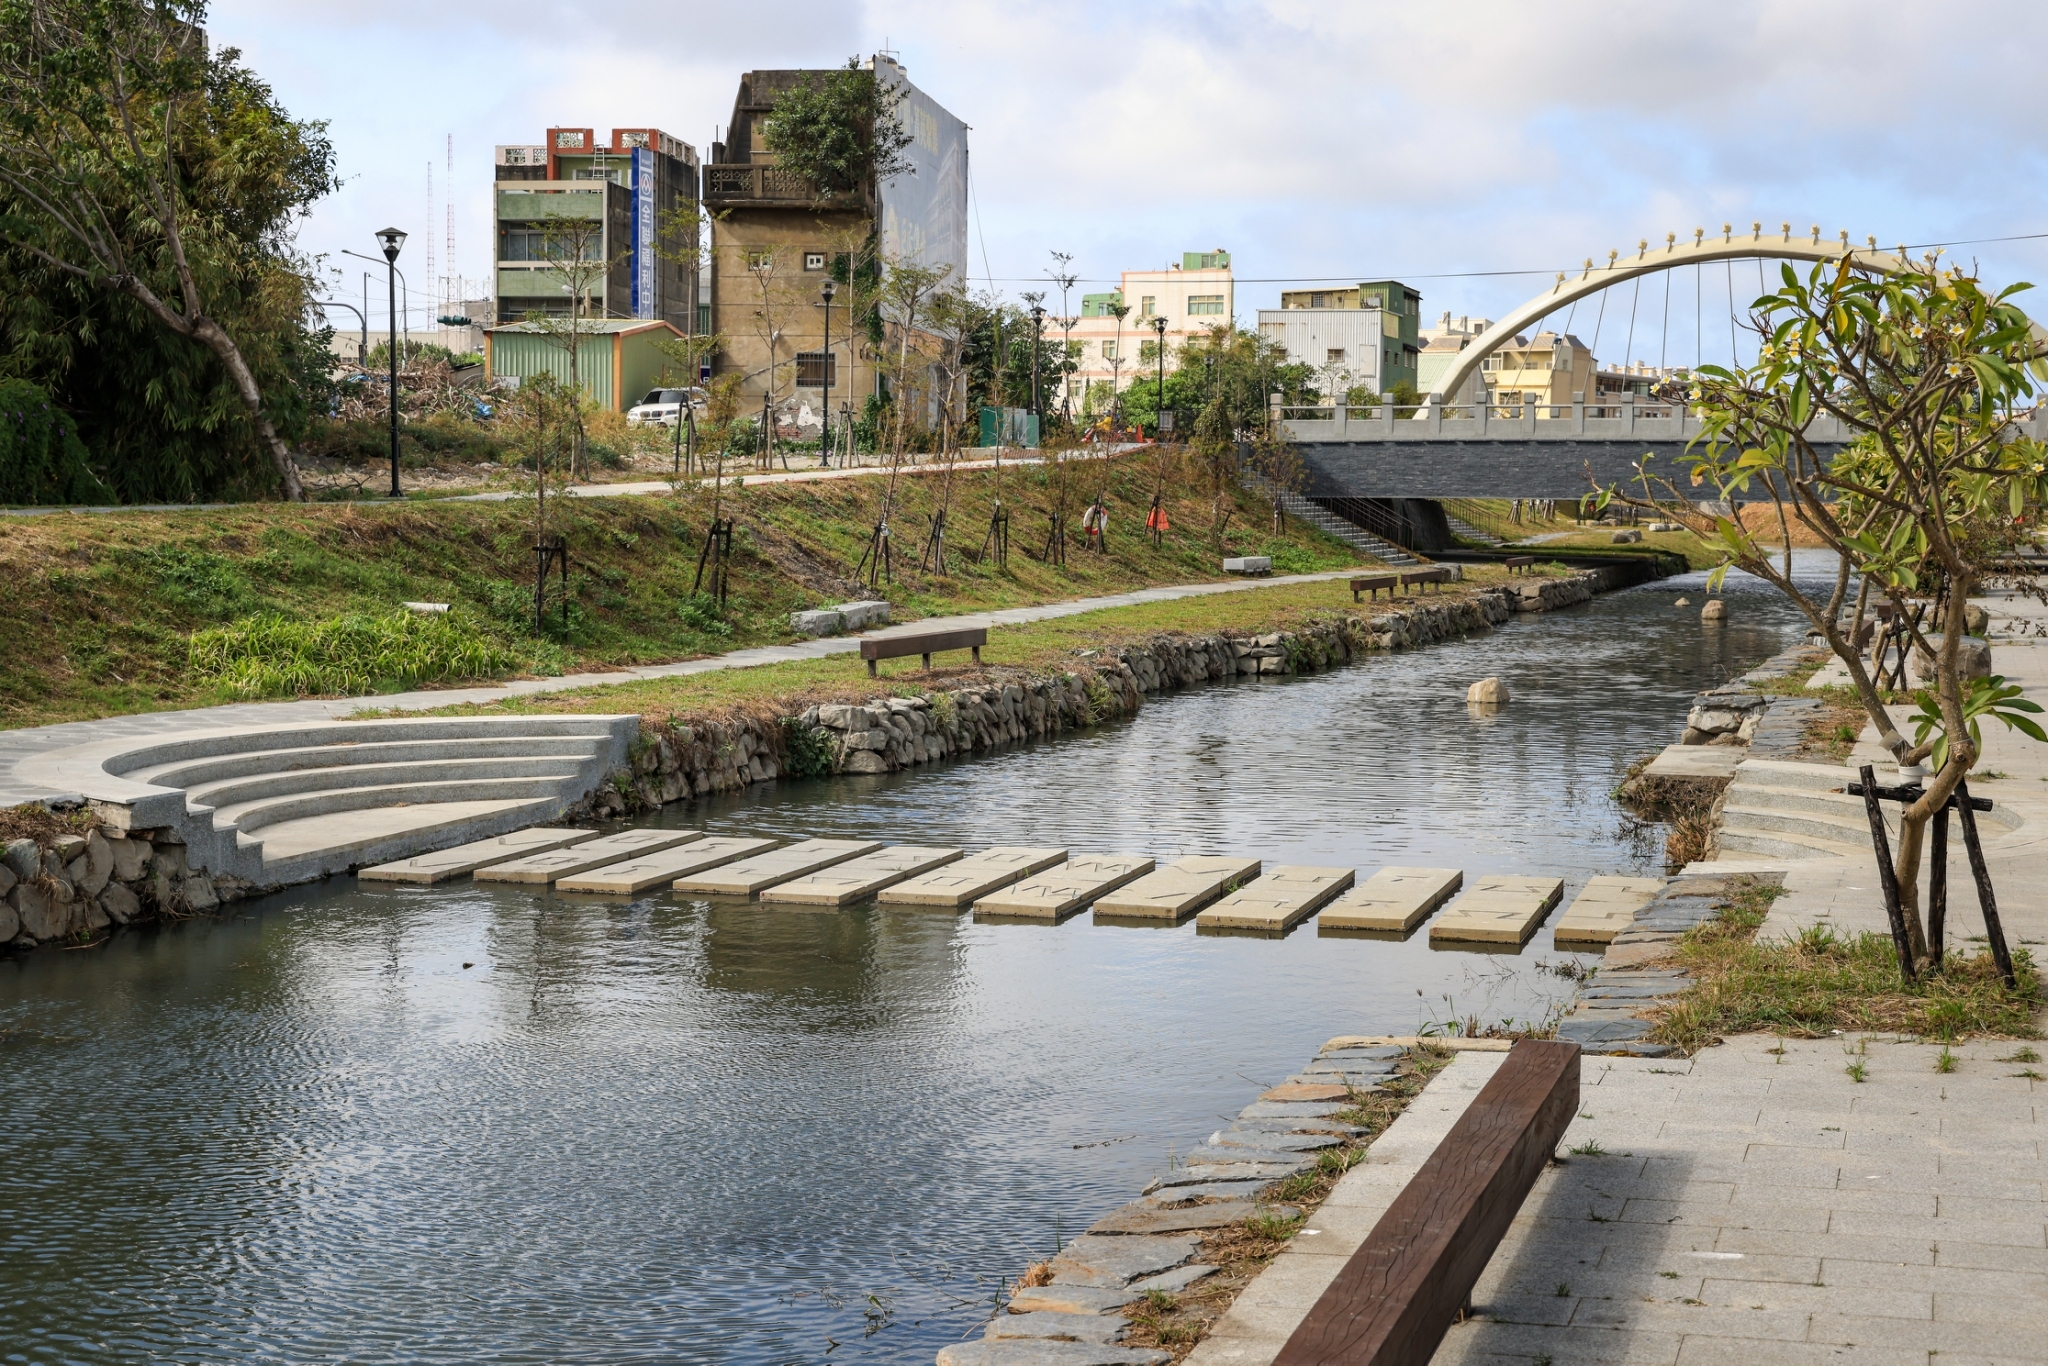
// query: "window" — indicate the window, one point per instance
point(1318, 301)
point(1109, 350)
point(1206, 303)
point(760, 260)
point(533, 244)
point(816, 369)
point(1147, 306)
point(632, 139)
point(1334, 356)
point(814, 260)
point(564, 138)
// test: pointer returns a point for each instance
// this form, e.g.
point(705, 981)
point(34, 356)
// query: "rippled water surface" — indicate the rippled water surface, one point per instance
point(463, 1124)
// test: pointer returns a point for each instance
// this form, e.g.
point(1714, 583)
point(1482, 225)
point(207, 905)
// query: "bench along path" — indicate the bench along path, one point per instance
point(860, 878)
point(1393, 899)
point(1063, 890)
point(752, 876)
point(467, 858)
point(545, 868)
point(1178, 890)
point(959, 884)
point(635, 875)
point(1501, 908)
point(1277, 901)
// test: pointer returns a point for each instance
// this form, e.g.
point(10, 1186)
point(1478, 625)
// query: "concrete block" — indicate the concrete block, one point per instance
point(1249, 564)
point(1393, 899)
point(1057, 891)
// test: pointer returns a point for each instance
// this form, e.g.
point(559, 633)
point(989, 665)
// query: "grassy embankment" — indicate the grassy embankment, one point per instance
point(1033, 647)
point(121, 612)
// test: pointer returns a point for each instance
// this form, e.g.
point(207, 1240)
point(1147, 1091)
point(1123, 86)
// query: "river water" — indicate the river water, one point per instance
point(469, 1123)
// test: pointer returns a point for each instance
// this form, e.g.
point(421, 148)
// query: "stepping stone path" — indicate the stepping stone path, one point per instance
point(467, 858)
point(751, 876)
point(1178, 890)
point(1069, 887)
point(961, 884)
point(545, 868)
point(1501, 908)
point(1393, 899)
point(860, 878)
point(1278, 901)
point(1606, 907)
point(636, 875)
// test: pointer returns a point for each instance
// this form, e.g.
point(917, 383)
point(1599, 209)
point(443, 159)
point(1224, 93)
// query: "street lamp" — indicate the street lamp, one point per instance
point(1159, 427)
point(825, 405)
point(392, 239)
point(1037, 345)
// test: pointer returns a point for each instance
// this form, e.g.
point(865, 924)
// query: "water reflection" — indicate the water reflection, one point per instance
point(472, 1122)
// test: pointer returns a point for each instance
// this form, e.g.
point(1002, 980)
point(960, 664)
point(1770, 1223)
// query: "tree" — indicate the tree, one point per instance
point(843, 134)
point(545, 420)
point(140, 166)
point(572, 247)
point(1937, 491)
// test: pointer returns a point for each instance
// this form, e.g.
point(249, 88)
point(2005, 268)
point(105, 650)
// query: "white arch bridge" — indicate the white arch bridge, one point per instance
point(1527, 448)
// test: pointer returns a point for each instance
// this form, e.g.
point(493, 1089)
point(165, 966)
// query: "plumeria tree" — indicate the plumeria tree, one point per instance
point(1935, 494)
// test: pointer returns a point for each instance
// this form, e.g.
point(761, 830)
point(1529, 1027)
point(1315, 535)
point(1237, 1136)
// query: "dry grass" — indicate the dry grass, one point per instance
point(32, 822)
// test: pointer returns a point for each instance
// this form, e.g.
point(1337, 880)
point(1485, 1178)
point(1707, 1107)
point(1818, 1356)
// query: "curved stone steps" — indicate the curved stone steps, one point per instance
point(191, 774)
point(247, 817)
point(240, 793)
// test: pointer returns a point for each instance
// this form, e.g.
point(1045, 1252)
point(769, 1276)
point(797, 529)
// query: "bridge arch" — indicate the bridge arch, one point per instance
point(1648, 260)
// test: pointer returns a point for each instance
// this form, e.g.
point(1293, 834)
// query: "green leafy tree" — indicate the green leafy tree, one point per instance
point(1939, 488)
point(146, 171)
point(844, 133)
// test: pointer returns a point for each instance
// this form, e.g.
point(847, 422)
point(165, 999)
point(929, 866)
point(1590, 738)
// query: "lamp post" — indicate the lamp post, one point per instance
point(825, 376)
point(1159, 424)
point(392, 239)
point(1037, 345)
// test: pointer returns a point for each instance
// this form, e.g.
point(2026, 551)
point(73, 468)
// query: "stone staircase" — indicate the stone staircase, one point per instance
point(1782, 809)
point(1328, 522)
point(1465, 531)
point(277, 805)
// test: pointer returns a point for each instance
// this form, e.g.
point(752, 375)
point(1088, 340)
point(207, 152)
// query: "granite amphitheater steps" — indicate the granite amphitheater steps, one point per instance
point(1783, 809)
point(275, 805)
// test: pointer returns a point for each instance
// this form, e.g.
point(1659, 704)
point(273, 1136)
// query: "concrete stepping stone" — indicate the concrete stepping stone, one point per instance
point(961, 884)
point(860, 878)
point(1056, 891)
point(581, 858)
point(636, 875)
point(1393, 900)
point(1047, 1323)
point(1048, 1352)
point(1605, 908)
point(1278, 901)
point(1178, 890)
point(467, 858)
point(751, 876)
point(1136, 1218)
point(1501, 908)
point(1092, 1259)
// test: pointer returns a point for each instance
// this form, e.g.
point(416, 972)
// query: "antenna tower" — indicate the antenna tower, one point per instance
point(429, 234)
point(455, 291)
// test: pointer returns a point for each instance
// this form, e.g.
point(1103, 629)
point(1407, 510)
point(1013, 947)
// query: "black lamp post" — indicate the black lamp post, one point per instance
point(1037, 345)
point(392, 239)
point(1159, 424)
point(825, 406)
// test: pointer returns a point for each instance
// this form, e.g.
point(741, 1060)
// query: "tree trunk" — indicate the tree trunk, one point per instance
point(1906, 862)
point(214, 338)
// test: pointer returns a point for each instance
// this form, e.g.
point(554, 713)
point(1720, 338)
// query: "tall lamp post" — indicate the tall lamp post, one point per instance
point(1037, 345)
point(1160, 423)
point(825, 375)
point(392, 239)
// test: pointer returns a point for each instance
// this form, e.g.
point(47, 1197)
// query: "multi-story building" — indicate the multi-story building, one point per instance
point(1440, 346)
point(1550, 368)
point(1197, 294)
point(1390, 357)
point(775, 240)
point(628, 204)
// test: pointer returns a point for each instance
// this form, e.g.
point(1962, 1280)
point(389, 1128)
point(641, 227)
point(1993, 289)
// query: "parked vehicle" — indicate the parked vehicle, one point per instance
point(664, 407)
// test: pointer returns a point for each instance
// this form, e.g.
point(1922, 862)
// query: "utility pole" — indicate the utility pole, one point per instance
point(1161, 423)
point(825, 404)
point(1037, 346)
point(392, 239)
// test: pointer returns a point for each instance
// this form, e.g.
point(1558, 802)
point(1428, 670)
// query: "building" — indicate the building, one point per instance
point(775, 241)
point(617, 360)
point(1641, 379)
point(1345, 347)
point(1197, 294)
point(1398, 309)
point(1440, 346)
point(1549, 368)
point(629, 204)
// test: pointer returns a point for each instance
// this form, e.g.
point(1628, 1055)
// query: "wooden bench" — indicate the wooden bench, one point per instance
point(1373, 585)
point(926, 644)
point(1439, 577)
point(1398, 1295)
point(1519, 564)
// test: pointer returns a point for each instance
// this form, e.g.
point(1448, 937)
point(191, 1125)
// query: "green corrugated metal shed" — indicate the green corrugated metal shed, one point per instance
point(617, 359)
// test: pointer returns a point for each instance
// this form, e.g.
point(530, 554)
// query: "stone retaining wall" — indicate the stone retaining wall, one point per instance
point(74, 886)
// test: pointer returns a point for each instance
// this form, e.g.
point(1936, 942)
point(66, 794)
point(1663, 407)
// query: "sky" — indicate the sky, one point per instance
point(1470, 148)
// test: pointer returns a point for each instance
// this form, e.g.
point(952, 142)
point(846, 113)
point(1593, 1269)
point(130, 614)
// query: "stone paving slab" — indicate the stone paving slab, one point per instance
point(467, 858)
point(1054, 1324)
point(1178, 890)
point(961, 884)
point(1393, 900)
point(860, 878)
point(1048, 1352)
point(1604, 908)
point(1093, 1259)
point(1137, 1218)
point(1069, 887)
point(751, 876)
point(543, 869)
point(1279, 900)
point(662, 868)
point(1501, 908)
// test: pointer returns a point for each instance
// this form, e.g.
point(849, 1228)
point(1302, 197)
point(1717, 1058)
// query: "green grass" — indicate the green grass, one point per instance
point(278, 656)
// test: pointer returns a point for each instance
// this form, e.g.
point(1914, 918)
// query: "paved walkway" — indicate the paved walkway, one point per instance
point(18, 744)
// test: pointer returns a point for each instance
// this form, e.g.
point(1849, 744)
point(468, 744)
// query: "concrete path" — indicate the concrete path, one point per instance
point(16, 745)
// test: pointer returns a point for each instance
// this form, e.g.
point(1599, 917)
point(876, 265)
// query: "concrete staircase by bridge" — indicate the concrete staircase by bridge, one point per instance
point(1328, 522)
point(1465, 531)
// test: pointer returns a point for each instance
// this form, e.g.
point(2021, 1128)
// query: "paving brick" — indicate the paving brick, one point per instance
point(1924, 1335)
point(1751, 1215)
point(1728, 1351)
point(1764, 1242)
point(1834, 1299)
point(1480, 1342)
point(1942, 1230)
point(1788, 1325)
point(1968, 1280)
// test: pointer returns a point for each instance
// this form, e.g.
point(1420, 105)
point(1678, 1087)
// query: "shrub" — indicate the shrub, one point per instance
point(273, 655)
point(42, 461)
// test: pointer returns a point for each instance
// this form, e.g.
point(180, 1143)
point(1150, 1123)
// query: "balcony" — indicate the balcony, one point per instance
point(727, 187)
